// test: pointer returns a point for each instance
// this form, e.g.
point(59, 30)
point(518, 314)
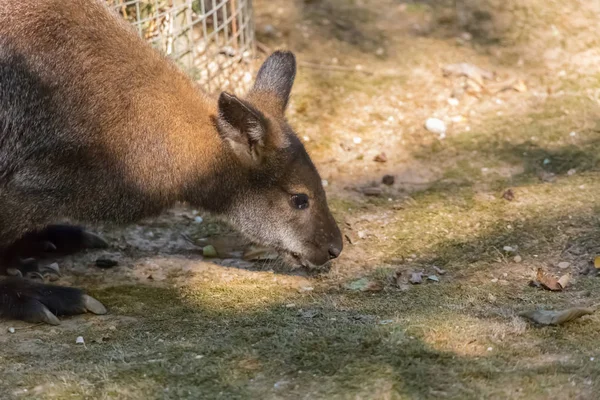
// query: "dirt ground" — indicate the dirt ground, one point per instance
point(371, 73)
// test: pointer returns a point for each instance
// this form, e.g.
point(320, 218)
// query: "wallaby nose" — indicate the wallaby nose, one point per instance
point(334, 252)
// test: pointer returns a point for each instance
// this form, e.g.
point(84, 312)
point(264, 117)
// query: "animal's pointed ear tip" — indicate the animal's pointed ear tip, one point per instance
point(285, 55)
point(226, 98)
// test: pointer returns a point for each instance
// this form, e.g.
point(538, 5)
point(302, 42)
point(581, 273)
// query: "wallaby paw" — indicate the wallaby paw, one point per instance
point(54, 239)
point(30, 269)
point(35, 302)
point(92, 241)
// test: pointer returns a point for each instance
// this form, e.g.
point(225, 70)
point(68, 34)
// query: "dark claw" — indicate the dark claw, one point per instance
point(35, 276)
point(93, 241)
point(47, 246)
point(38, 302)
point(94, 306)
point(14, 272)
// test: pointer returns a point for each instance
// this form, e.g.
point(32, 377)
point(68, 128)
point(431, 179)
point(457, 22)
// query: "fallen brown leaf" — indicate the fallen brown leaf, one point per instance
point(373, 287)
point(520, 86)
point(546, 317)
point(381, 157)
point(439, 270)
point(508, 195)
point(470, 71)
point(364, 285)
point(564, 280)
point(548, 282)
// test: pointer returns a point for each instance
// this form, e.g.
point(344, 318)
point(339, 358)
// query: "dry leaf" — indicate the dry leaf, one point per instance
point(348, 238)
point(545, 317)
point(471, 71)
point(439, 270)
point(309, 313)
point(508, 195)
point(364, 285)
point(564, 280)
point(548, 282)
point(396, 278)
point(520, 86)
point(373, 287)
point(258, 253)
point(597, 262)
point(381, 157)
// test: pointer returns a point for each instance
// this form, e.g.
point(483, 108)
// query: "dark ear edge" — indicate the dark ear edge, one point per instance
point(276, 75)
point(242, 126)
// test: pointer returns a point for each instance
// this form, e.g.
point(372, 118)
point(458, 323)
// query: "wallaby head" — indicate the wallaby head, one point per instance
point(280, 201)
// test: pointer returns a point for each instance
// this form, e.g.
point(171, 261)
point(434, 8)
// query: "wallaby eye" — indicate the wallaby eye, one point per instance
point(299, 201)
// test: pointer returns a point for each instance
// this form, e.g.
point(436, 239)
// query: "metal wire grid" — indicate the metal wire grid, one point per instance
point(213, 40)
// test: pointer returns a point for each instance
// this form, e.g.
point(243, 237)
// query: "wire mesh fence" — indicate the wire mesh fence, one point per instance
point(213, 40)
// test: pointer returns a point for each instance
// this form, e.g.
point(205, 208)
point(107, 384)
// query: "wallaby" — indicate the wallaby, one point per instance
point(95, 125)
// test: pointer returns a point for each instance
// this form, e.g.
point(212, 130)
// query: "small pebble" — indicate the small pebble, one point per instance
point(357, 140)
point(324, 182)
point(509, 249)
point(388, 180)
point(198, 219)
point(453, 101)
point(291, 305)
point(564, 264)
point(494, 280)
point(517, 259)
point(209, 251)
point(281, 384)
point(79, 340)
point(546, 161)
point(490, 349)
point(435, 125)
point(571, 172)
point(11, 330)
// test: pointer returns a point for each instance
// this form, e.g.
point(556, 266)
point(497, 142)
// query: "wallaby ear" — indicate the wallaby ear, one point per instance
point(276, 76)
point(243, 127)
